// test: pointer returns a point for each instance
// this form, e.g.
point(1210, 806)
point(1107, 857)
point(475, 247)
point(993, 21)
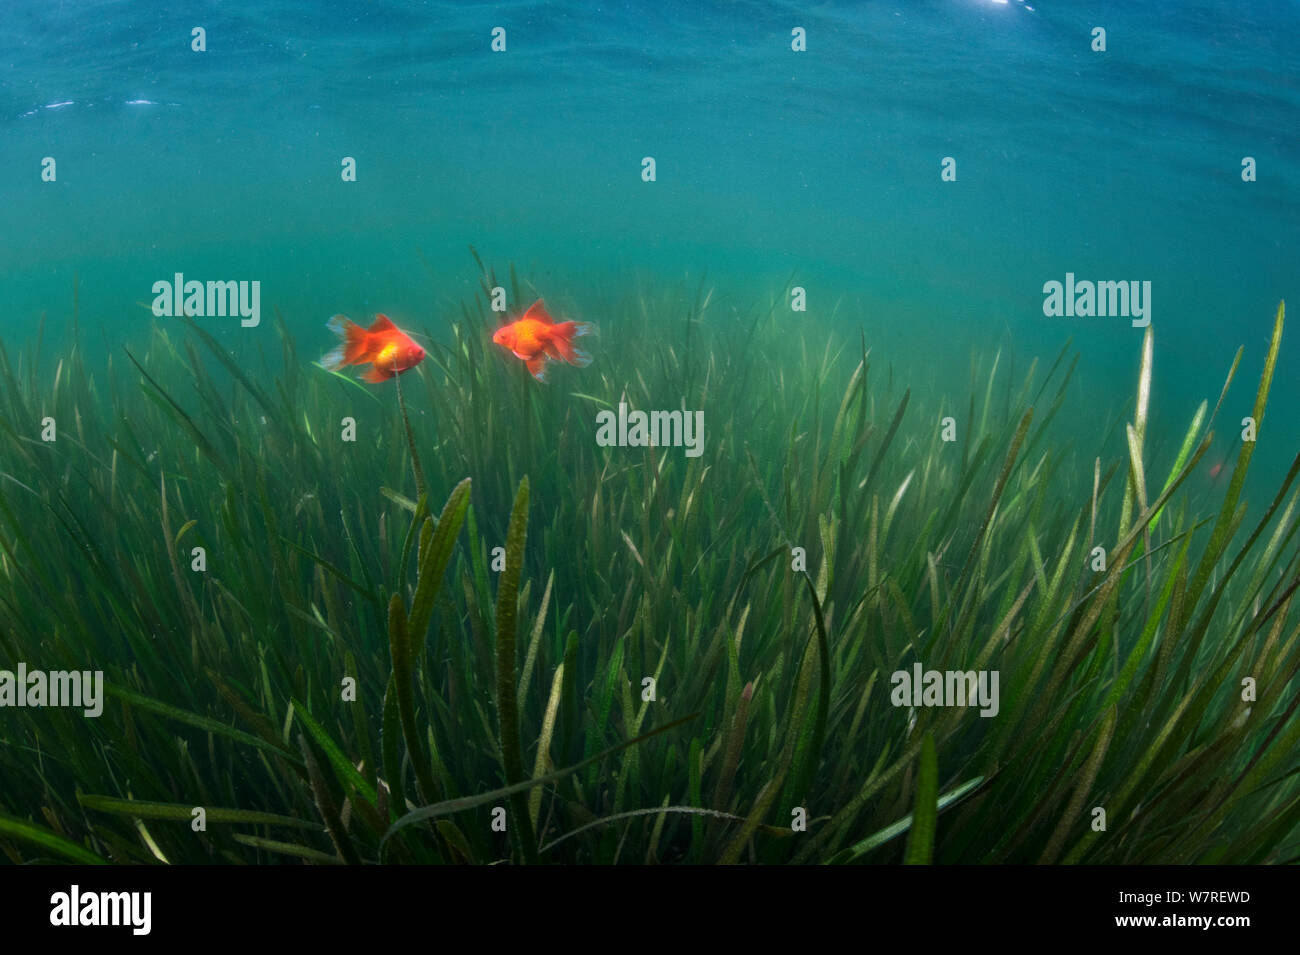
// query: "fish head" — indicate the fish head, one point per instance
point(414, 354)
point(504, 336)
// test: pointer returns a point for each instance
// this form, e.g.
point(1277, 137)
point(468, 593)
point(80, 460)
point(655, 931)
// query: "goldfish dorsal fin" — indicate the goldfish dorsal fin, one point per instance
point(382, 323)
point(537, 312)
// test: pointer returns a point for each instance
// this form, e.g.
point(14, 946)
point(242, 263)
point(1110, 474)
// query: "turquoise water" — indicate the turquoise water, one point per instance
point(1116, 165)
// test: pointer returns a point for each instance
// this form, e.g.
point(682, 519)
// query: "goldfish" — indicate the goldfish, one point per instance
point(536, 338)
point(385, 347)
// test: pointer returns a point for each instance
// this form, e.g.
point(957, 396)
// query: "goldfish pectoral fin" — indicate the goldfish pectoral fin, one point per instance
point(376, 375)
point(538, 367)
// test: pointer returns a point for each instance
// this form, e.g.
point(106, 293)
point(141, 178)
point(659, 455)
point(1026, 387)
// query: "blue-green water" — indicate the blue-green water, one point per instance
point(1117, 165)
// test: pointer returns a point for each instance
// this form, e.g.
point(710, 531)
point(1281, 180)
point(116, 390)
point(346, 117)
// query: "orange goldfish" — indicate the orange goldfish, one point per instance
point(536, 339)
point(385, 347)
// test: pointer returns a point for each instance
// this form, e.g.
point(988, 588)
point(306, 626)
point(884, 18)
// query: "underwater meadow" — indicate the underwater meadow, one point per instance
point(968, 533)
point(352, 671)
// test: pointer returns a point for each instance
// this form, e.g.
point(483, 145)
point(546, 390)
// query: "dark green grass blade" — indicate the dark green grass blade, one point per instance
point(435, 557)
point(306, 853)
point(326, 807)
point(200, 722)
point(399, 644)
point(17, 829)
point(893, 831)
point(920, 842)
point(342, 765)
point(449, 806)
point(507, 705)
point(177, 812)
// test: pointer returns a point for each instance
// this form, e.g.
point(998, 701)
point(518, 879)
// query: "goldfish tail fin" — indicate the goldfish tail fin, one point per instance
point(351, 349)
point(562, 337)
point(333, 360)
point(538, 367)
